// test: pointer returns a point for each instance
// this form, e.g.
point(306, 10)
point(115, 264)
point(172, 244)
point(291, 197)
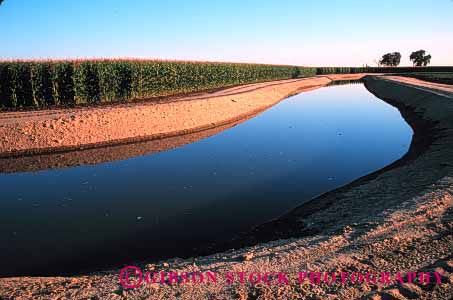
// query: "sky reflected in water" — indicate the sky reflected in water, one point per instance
point(165, 204)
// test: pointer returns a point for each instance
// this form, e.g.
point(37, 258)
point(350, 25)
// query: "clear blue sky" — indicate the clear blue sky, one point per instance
point(302, 32)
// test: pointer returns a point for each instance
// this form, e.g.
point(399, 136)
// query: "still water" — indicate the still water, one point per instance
point(167, 204)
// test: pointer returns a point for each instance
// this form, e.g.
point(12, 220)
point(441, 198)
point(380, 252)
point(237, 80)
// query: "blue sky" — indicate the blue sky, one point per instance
point(300, 32)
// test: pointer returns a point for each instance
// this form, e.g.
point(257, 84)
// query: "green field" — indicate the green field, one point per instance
point(53, 83)
point(47, 83)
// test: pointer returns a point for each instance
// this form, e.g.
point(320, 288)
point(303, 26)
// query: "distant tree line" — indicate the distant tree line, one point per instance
point(419, 59)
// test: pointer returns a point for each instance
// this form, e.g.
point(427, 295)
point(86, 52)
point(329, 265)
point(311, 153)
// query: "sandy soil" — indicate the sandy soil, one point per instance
point(96, 155)
point(396, 219)
point(445, 90)
point(55, 130)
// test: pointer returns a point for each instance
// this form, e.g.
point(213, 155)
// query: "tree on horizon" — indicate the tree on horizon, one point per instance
point(419, 58)
point(390, 59)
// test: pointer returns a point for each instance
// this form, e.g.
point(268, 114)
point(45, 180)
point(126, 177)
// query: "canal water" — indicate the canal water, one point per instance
point(168, 204)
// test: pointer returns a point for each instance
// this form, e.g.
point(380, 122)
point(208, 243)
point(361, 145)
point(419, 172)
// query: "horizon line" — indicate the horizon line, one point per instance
point(156, 59)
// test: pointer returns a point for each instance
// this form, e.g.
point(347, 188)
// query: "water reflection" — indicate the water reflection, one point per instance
point(33, 163)
point(171, 203)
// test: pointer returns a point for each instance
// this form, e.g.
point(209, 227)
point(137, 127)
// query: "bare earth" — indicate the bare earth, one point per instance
point(445, 90)
point(91, 156)
point(64, 129)
point(398, 219)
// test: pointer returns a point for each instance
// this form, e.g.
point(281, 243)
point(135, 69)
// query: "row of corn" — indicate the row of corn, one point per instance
point(45, 83)
point(49, 83)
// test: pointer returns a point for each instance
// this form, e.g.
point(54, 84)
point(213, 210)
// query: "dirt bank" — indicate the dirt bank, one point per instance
point(96, 155)
point(445, 90)
point(32, 132)
point(396, 219)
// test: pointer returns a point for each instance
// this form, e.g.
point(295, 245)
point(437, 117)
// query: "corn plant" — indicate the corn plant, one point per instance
point(44, 83)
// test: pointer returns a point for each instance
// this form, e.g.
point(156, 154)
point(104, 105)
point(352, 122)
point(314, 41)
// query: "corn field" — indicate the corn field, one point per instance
point(53, 83)
point(48, 83)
